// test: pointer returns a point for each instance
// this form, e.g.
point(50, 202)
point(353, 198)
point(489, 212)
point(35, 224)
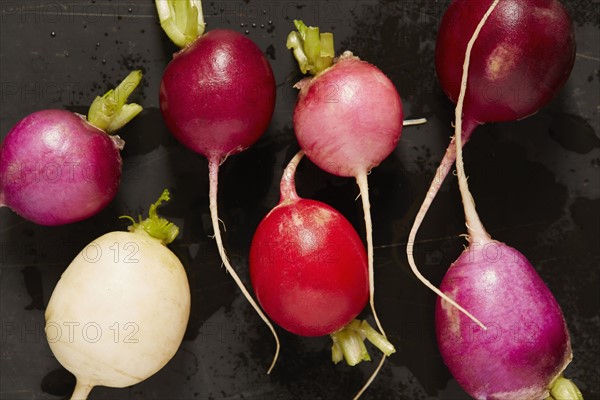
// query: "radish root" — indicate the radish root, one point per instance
point(474, 225)
point(452, 153)
point(82, 391)
point(213, 171)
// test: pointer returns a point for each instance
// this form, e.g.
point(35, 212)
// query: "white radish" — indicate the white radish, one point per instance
point(119, 311)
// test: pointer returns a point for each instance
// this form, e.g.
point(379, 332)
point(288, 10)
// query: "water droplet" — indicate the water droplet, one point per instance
point(262, 25)
point(264, 11)
point(104, 61)
point(52, 34)
point(130, 9)
point(270, 22)
point(254, 25)
point(67, 54)
point(247, 32)
point(242, 24)
point(97, 44)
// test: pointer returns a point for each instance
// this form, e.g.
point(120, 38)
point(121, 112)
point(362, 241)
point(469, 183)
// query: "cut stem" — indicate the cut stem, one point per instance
point(82, 391)
point(182, 20)
point(313, 50)
point(350, 341)
point(564, 389)
point(110, 112)
point(213, 173)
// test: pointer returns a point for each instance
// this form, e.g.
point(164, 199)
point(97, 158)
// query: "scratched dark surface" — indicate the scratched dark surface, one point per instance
point(536, 182)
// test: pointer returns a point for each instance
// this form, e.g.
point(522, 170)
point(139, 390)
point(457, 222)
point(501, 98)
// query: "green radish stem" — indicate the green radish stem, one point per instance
point(313, 49)
point(155, 226)
point(213, 171)
point(182, 20)
point(473, 222)
point(110, 111)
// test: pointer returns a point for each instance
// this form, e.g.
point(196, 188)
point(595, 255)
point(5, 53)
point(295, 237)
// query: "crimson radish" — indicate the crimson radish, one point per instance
point(308, 267)
point(524, 346)
point(119, 311)
point(217, 97)
point(522, 58)
point(57, 167)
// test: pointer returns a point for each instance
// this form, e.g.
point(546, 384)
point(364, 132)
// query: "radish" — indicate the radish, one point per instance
point(57, 167)
point(217, 97)
point(524, 346)
point(308, 268)
point(119, 311)
point(523, 57)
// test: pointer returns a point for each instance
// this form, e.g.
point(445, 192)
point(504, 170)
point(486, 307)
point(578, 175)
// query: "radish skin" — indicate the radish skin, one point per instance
point(217, 97)
point(119, 311)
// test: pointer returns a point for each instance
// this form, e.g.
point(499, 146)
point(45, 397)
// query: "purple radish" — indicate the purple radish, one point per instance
point(57, 167)
point(524, 346)
point(522, 58)
point(217, 97)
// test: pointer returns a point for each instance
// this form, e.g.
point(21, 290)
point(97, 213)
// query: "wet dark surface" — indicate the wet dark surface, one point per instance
point(536, 182)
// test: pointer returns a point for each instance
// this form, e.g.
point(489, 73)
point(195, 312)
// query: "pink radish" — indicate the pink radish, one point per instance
point(57, 167)
point(524, 345)
point(217, 97)
point(309, 272)
point(521, 60)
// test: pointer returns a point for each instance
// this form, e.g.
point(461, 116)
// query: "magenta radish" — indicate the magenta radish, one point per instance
point(57, 167)
point(521, 59)
point(524, 345)
point(309, 272)
point(119, 311)
point(217, 97)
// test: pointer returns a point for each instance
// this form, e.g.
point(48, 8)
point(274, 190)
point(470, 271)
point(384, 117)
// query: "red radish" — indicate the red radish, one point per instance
point(119, 311)
point(57, 167)
point(521, 60)
point(308, 267)
point(217, 97)
point(525, 345)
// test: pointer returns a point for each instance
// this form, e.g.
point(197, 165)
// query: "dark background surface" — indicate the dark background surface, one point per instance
point(536, 183)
